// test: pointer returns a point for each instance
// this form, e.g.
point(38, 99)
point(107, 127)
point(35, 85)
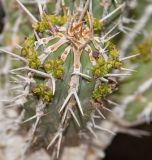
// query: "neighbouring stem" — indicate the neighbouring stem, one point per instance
point(136, 29)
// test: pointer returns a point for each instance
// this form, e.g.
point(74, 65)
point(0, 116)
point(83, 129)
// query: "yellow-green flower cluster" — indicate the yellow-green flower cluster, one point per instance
point(145, 50)
point(43, 25)
point(113, 58)
point(101, 68)
point(30, 53)
point(55, 67)
point(97, 25)
point(58, 20)
point(101, 91)
point(43, 92)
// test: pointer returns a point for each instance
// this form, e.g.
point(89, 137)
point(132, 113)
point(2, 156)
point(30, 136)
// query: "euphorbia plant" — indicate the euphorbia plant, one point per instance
point(68, 64)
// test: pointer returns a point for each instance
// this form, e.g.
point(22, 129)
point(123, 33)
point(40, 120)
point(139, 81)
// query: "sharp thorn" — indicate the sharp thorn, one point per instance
point(82, 75)
point(53, 140)
point(126, 69)
point(64, 116)
point(107, 109)
point(84, 11)
point(117, 75)
point(78, 102)
point(40, 7)
point(66, 101)
point(53, 85)
point(29, 119)
point(91, 130)
point(129, 57)
point(104, 79)
point(14, 55)
point(104, 129)
point(113, 103)
point(75, 118)
point(100, 113)
point(27, 11)
point(59, 145)
point(113, 12)
point(35, 125)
